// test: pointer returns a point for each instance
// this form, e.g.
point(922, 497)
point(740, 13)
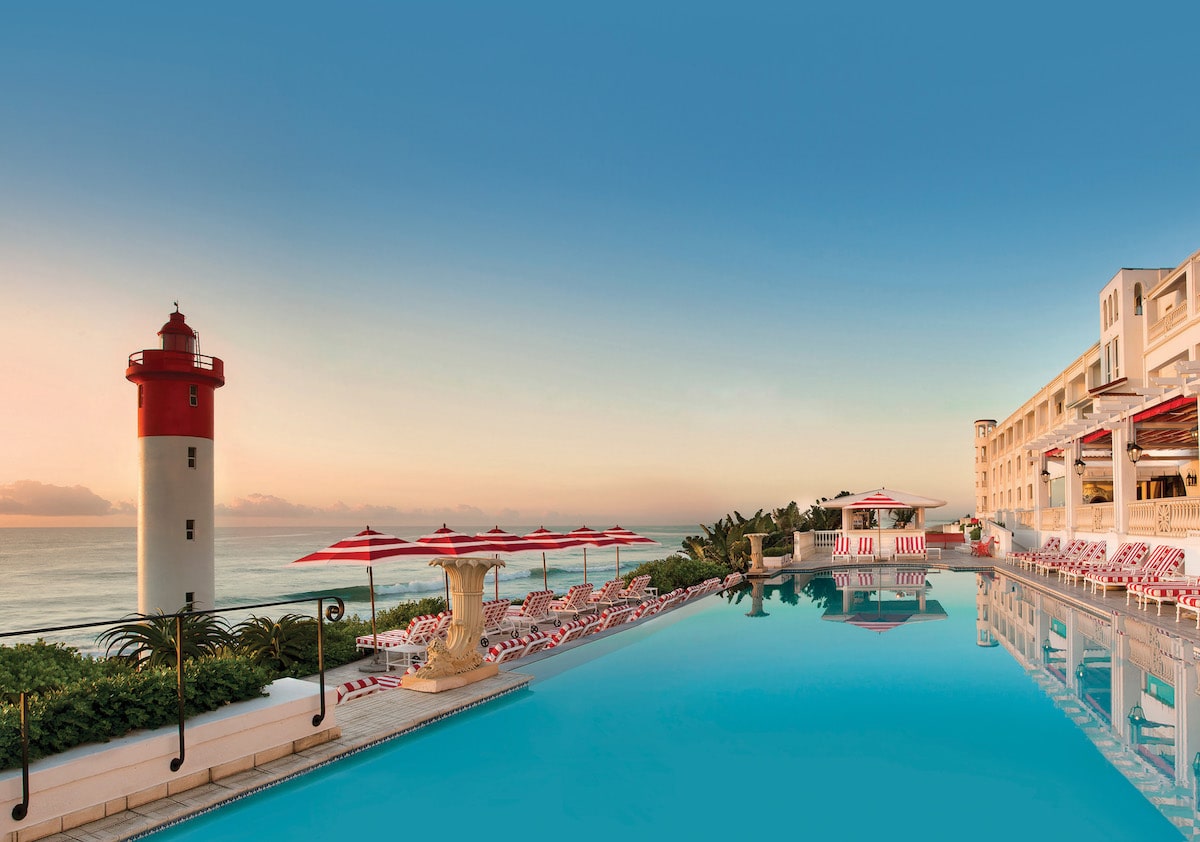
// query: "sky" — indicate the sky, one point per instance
point(558, 262)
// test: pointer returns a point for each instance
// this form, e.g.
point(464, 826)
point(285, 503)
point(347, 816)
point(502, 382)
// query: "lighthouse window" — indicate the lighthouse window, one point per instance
point(190, 533)
point(141, 392)
point(191, 457)
point(193, 398)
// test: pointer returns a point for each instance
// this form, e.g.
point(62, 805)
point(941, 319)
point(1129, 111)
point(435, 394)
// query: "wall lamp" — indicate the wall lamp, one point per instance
point(1134, 451)
point(1045, 475)
point(1080, 465)
point(1190, 479)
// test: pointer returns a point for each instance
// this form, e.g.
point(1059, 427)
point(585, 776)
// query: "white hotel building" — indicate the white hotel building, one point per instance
point(1108, 448)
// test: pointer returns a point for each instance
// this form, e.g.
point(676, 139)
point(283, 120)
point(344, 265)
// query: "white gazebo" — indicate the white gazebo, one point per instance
point(857, 508)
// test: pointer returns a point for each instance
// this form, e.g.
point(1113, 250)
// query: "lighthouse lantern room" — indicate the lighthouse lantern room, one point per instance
point(175, 386)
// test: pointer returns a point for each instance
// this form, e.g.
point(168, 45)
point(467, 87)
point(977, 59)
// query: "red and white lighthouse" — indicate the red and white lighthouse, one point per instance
point(175, 462)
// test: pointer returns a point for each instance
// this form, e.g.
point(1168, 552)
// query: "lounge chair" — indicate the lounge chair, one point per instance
point(442, 629)
point(1071, 550)
point(843, 548)
point(1052, 546)
point(574, 603)
point(1164, 590)
point(573, 630)
point(406, 646)
point(1188, 602)
point(494, 615)
point(609, 594)
point(1086, 552)
point(506, 650)
point(534, 611)
point(636, 591)
point(865, 548)
point(537, 641)
point(615, 616)
point(1128, 556)
point(1162, 563)
point(910, 546)
point(982, 549)
point(358, 687)
point(732, 579)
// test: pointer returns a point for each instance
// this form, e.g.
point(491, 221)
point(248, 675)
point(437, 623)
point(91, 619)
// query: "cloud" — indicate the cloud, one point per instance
point(264, 505)
point(28, 497)
point(270, 506)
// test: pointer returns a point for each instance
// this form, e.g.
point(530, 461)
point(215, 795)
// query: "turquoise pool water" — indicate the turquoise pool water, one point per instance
point(709, 723)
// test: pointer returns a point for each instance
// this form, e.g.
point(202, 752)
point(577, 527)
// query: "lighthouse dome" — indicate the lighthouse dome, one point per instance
point(177, 336)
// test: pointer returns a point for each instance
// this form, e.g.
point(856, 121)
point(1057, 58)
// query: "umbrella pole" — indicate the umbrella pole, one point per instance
point(618, 576)
point(585, 565)
point(496, 578)
point(545, 575)
point(446, 580)
point(374, 632)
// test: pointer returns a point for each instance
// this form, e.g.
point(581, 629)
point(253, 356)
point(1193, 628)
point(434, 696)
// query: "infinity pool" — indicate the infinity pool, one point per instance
point(710, 723)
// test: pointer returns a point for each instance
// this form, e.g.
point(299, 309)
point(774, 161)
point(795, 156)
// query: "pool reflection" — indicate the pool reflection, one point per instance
point(1130, 686)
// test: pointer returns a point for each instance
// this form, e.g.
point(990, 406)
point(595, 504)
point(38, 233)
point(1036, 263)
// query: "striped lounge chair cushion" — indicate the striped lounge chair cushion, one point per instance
point(910, 545)
point(357, 687)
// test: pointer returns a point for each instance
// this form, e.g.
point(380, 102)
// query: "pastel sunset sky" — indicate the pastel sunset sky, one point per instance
point(562, 262)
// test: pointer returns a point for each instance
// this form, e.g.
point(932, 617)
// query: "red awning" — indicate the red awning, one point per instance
point(1167, 406)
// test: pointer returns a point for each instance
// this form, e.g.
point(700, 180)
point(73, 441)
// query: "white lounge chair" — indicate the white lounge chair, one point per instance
point(574, 603)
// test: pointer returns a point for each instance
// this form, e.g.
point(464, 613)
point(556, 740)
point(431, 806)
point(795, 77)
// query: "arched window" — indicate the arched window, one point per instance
point(1137, 299)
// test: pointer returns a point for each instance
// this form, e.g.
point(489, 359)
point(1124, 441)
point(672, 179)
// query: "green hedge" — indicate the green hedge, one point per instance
point(677, 571)
point(101, 708)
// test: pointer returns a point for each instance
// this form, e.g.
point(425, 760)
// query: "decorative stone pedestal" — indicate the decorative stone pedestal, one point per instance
point(450, 682)
point(757, 568)
point(456, 662)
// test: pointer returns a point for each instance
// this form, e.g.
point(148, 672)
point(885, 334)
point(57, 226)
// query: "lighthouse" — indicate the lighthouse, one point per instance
point(175, 389)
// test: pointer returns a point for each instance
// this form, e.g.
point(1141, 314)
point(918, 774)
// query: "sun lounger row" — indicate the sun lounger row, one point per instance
point(612, 616)
point(852, 549)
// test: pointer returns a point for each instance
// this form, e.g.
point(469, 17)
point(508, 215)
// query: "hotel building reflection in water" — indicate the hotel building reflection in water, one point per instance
point(1130, 687)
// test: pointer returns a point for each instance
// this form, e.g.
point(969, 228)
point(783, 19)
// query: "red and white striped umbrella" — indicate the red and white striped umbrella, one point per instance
point(549, 540)
point(366, 549)
point(511, 543)
point(625, 537)
point(446, 541)
point(588, 537)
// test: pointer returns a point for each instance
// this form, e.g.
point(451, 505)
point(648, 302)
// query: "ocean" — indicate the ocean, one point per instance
point(62, 576)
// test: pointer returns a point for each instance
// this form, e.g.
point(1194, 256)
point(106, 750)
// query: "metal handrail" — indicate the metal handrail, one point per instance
point(332, 613)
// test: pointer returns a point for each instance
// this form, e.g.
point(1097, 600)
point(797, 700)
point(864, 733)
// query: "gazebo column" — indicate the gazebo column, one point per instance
point(457, 662)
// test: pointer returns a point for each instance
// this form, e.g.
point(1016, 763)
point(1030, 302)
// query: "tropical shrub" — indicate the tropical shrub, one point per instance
point(677, 571)
point(37, 667)
point(149, 640)
point(97, 709)
point(277, 644)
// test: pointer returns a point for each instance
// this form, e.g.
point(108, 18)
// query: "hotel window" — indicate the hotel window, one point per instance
point(190, 531)
point(1107, 362)
point(191, 457)
point(193, 397)
point(1116, 358)
point(1137, 299)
